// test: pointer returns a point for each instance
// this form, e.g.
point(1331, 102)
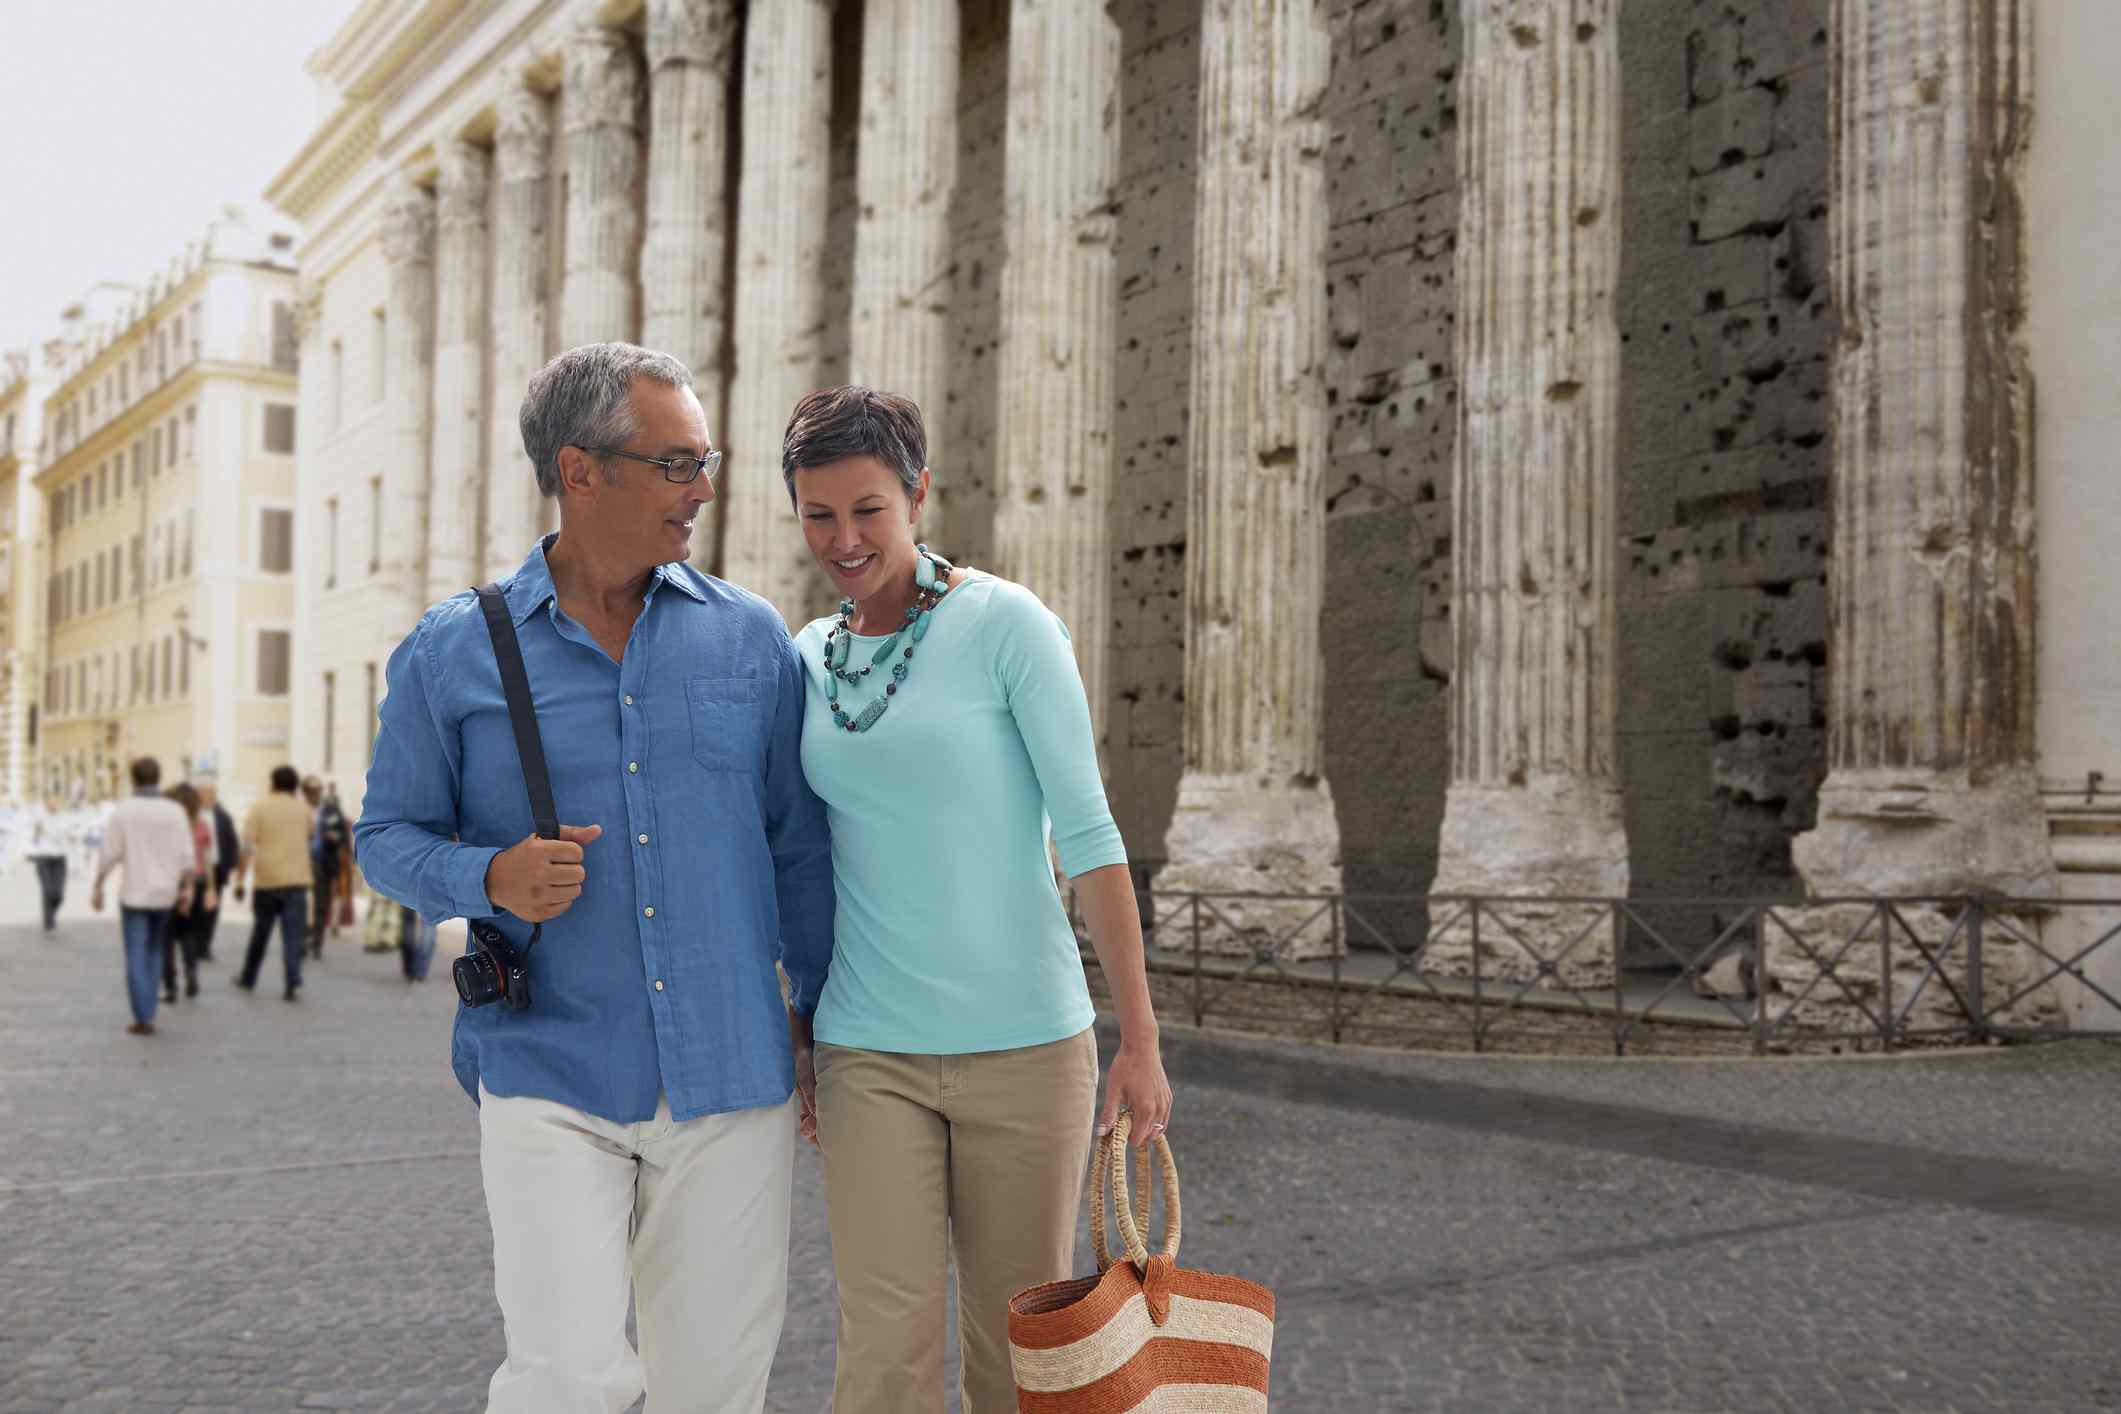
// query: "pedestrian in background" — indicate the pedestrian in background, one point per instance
point(276, 844)
point(183, 942)
point(47, 852)
point(150, 839)
point(330, 859)
point(221, 863)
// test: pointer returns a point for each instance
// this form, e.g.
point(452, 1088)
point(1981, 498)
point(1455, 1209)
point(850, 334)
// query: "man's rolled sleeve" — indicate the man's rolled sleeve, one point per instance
point(405, 839)
point(801, 843)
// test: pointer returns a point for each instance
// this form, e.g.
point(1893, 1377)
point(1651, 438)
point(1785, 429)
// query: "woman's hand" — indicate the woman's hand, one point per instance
point(1136, 1083)
point(799, 1041)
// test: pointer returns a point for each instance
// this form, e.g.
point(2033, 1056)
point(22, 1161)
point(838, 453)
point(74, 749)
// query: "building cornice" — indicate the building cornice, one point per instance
point(147, 412)
point(346, 141)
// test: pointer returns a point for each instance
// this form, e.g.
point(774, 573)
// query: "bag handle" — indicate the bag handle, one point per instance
point(1132, 1207)
point(522, 716)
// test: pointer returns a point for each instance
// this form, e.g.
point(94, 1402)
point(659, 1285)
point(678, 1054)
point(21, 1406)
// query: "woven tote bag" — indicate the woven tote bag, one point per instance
point(1145, 1335)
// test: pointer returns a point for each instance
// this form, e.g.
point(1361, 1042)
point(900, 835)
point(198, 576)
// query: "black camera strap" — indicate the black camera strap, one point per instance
point(523, 716)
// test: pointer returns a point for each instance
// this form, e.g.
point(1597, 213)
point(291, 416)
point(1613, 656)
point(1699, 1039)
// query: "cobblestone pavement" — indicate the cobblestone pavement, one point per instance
point(273, 1207)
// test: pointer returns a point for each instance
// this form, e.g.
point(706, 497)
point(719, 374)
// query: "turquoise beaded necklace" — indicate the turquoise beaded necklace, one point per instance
point(931, 581)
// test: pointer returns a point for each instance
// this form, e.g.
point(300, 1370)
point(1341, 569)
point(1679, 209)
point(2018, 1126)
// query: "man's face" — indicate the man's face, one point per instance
point(207, 796)
point(633, 506)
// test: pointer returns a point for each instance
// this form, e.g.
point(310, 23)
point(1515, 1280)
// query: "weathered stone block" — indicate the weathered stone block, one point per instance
point(1730, 129)
point(1758, 195)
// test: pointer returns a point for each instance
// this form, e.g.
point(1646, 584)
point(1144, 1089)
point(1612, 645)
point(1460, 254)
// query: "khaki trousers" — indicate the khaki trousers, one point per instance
point(980, 1158)
point(691, 1218)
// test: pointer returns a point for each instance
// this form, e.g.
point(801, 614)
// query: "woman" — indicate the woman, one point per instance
point(955, 1070)
point(184, 924)
point(47, 851)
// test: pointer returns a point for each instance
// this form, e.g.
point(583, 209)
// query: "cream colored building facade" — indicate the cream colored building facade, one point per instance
point(167, 480)
point(22, 384)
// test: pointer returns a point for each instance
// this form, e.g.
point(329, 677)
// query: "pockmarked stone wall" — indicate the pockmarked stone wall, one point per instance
point(1727, 329)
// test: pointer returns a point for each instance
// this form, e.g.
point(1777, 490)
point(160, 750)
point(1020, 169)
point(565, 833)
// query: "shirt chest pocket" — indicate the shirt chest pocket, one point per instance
point(728, 728)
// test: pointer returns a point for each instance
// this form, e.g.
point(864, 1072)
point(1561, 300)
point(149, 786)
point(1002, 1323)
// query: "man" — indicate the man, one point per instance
point(150, 838)
point(276, 843)
point(330, 858)
point(221, 860)
point(636, 1127)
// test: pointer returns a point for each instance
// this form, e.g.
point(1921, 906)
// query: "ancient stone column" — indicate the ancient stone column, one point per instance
point(905, 177)
point(691, 45)
point(521, 253)
point(1534, 803)
point(1932, 787)
point(780, 295)
point(599, 105)
point(408, 240)
point(1059, 303)
point(458, 458)
point(1254, 811)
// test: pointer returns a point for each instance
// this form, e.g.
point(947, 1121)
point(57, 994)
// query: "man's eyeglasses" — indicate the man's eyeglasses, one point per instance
point(682, 470)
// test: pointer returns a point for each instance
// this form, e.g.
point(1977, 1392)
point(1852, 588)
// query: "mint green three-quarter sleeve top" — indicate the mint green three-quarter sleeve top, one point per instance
point(951, 936)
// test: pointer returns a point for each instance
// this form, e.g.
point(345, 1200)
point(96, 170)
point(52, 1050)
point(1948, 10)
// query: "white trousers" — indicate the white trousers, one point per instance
point(693, 1217)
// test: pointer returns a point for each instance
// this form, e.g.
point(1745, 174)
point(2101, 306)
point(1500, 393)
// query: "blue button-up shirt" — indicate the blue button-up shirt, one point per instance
point(715, 858)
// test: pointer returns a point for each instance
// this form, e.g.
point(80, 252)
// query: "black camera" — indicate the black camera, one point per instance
point(492, 970)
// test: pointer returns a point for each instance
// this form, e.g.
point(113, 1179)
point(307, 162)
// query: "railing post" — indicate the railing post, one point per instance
point(1885, 976)
point(1761, 1021)
point(1336, 943)
point(1976, 981)
point(1198, 1011)
point(1620, 1006)
point(1480, 1032)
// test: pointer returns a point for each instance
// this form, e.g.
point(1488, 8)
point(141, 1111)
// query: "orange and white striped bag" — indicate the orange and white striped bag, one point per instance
point(1143, 1336)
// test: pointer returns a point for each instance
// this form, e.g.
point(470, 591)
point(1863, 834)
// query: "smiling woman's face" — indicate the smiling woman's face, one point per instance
point(859, 522)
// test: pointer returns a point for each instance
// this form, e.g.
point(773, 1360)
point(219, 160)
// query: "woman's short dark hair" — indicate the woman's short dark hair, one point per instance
point(147, 771)
point(286, 778)
point(855, 422)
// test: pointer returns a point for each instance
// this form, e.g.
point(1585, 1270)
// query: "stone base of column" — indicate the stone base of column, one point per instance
point(1552, 838)
point(1883, 835)
point(1237, 834)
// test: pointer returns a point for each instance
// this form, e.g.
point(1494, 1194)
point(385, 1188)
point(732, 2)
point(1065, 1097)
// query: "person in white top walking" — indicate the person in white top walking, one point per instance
point(46, 849)
point(149, 836)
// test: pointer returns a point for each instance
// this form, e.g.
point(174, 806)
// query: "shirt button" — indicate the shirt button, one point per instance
point(659, 984)
point(642, 838)
point(634, 767)
point(648, 913)
point(629, 699)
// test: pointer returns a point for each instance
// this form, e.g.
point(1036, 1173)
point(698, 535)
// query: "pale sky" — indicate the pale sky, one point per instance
point(125, 126)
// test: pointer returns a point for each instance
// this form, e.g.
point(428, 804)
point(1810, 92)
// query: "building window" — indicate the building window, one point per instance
point(379, 325)
point(335, 390)
point(151, 694)
point(133, 677)
point(139, 465)
point(168, 680)
point(273, 646)
point(276, 541)
point(280, 428)
point(173, 442)
point(187, 539)
point(176, 336)
point(331, 699)
point(184, 665)
point(125, 383)
point(191, 431)
point(195, 332)
point(286, 351)
point(331, 542)
point(139, 565)
point(96, 595)
point(154, 451)
point(102, 486)
point(375, 523)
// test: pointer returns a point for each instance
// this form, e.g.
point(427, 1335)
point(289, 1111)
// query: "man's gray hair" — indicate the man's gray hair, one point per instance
point(579, 400)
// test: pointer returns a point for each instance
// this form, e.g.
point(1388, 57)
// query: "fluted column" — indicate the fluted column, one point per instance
point(599, 105)
point(905, 177)
point(408, 238)
point(1059, 303)
point(1930, 711)
point(458, 459)
point(782, 193)
point(1534, 804)
point(1254, 811)
point(521, 252)
point(691, 45)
